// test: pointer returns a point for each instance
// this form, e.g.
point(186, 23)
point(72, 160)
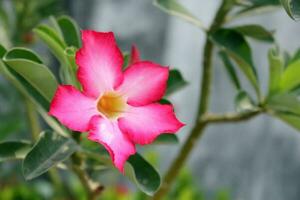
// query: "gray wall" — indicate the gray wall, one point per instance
point(256, 160)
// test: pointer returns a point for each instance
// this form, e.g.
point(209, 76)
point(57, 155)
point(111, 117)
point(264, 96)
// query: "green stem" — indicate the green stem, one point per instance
point(200, 125)
point(33, 119)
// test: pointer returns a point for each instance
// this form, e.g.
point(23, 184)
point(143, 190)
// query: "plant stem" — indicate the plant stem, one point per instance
point(200, 124)
point(32, 118)
point(93, 189)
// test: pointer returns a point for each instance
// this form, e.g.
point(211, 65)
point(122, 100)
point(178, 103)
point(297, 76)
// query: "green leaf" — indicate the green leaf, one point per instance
point(2, 51)
point(49, 150)
point(290, 77)
point(175, 81)
point(70, 31)
point(289, 118)
point(146, 176)
point(255, 31)
point(31, 93)
point(28, 65)
point(292, 7)
point(166, 139)
point(172, 7)
point(53, 40)
point(235, 45)
point(14, 150)
point(230, 70)
point(275, 70)
point(243, 102)
point(284, 103)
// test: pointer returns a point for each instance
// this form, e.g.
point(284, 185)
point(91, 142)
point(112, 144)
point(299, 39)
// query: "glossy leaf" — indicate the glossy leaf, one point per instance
point(292, 7)
point(172, 7)
point(70, 31)
point(230, 70)
point(49, 150)
point(28, 65)
point(255, 31)
point(243, 102)
point(31, 93)
point(146, 176)
point(14, 150)
point(235, 45)
point(53, 40)
point(175, 81)
point(166, 139)
point(290, 77)
point(275, 70)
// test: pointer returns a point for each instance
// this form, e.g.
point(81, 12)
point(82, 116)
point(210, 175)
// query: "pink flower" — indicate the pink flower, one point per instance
point(117, 108)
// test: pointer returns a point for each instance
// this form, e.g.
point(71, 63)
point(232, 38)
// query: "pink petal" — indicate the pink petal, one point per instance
point(144, 83)
point(143, 124)
point(108, 134)
point(134, 55)
point(100, 63)
point(72, 108)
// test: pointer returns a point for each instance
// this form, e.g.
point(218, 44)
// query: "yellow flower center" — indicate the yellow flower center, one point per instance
point(111, 104)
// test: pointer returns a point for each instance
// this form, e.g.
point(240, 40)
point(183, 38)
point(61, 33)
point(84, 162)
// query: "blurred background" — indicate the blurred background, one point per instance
point(253, 160)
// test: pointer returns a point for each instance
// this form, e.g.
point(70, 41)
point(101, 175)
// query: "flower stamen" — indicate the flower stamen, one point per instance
point(111, 104)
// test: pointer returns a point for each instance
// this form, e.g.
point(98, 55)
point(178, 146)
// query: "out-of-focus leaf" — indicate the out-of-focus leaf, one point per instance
point(14, 150)
point(172, 7)
point(146, 176)
point(284, 103)
point(230, 70)
point(175, 81)
point(126, 56)
point(49, 150)
point(70, 31)
point(290, 77)
point(28, 65)
point(275, 70)
point(255, 31)
point(166, 139)
point(289, 118)
point(2, 51)
point(243, 102)
point(53, 41)
point(235, 45)
point(292, 7)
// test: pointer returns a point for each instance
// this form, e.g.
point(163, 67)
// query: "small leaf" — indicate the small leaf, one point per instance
point(175, 81)
point(235, 45)
point(172, 7)
point(292, 7)
point(243, 102)
point(13, 150)
point(70, 31)
point(275, 70)
point(255, 31)
point(28, 65)
point(290, 77)
point(146, 176)
point(166, 139)
point(49, 150)
point(230, 70)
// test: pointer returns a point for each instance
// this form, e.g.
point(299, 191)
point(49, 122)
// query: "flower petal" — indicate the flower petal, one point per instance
point(108, 134)
point(72, 108)
point(144, 83)
point(100, 63)
point(134, 55)
point(143, 124)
